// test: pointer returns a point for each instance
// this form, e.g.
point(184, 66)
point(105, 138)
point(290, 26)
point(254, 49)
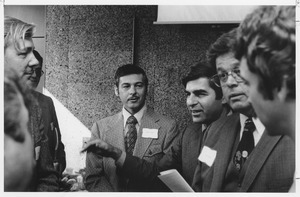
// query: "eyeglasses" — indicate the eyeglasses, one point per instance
point(30, 70)
point(223, 77)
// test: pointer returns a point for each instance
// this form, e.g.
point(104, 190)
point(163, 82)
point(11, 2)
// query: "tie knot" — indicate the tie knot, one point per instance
point(249, 125)
point(131, 120)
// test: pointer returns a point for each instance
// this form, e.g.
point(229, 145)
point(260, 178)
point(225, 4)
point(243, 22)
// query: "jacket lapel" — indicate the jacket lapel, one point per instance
point(258, 158)
point(224, 149)
point(148, 121)
point(116, 131)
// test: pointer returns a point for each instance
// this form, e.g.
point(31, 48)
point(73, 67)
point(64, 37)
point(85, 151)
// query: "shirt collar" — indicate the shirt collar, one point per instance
point(258, 125)
point(137, 115)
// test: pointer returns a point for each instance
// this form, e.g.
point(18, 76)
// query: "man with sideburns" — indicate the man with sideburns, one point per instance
point(204, 101)
point(238, 154)
point(136, 130)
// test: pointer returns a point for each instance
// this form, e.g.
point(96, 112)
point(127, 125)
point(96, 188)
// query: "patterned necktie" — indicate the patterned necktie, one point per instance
point(245, 146)
point(131, 134)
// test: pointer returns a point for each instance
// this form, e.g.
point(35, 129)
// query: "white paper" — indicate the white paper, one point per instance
point(175, 181)
point(150, 133)
point(207, 156)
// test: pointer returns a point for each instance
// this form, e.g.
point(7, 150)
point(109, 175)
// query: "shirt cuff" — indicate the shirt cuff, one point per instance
point(121, 160)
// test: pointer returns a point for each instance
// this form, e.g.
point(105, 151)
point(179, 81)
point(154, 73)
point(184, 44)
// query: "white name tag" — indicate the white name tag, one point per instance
point(150, 133)
point(207, 156)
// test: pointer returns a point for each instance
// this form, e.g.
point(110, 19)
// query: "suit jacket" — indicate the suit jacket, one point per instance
point(181, 156)
point(51, 127)
point(101, 172)
point(45, 178)
point(269, 168)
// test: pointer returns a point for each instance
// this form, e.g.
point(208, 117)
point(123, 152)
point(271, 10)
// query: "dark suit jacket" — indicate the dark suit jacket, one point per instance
point(181, 156)
point(45, 178)
point(269, 168)
point(51, 127)
point(101, 172)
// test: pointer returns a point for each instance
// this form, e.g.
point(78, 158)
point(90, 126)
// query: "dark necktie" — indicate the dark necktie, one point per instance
point(245, 146)
point(131, 134)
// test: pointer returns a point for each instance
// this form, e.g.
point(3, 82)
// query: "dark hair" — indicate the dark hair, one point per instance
point(224, 44)
point(38, 57)
point(199, 70)
point(266, 38)
point(15, 93)
point(129, 69)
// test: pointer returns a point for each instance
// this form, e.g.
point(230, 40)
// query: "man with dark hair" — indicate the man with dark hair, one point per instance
point(32, 76)
point(242, 156)
point(204, 101)
point(18, 54)
point(267, 52)
point(136, 130)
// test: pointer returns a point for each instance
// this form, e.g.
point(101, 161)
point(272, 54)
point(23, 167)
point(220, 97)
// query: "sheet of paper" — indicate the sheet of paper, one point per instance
point(175, 181)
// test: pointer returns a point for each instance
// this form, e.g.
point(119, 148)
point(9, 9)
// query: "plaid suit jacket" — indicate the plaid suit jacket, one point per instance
point(269, 168)
point(101, 172)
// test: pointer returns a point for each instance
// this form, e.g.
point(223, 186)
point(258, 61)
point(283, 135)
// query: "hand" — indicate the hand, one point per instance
point(102, 148)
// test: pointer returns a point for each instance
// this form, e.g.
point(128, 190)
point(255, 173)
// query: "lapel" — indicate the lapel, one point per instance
point(115, 133)
point(259, 156)
point(148, 120)
point(224, 149)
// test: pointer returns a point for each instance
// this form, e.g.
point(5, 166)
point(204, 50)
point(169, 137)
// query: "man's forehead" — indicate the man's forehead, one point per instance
point(25, 44)
point(131, 78)
point(226, 60)
point(198, 84)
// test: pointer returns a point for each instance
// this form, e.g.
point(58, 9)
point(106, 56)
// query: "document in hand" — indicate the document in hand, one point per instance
point(175, 181)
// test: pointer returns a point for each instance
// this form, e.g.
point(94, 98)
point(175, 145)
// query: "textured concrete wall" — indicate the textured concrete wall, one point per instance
point(86, 44)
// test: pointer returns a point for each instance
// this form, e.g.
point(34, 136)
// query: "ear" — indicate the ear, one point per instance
point(116, 91)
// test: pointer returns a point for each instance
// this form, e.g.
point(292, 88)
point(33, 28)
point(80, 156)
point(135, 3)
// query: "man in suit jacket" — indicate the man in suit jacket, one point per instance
point(154, 135)
point(50, 119)
point(18, 53)
point(269, 166)
point(204, 100)
point(271, 84)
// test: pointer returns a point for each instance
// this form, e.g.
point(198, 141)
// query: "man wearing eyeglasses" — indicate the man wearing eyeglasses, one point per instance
point(242, 156)
point(18, 54)
point(33, 75)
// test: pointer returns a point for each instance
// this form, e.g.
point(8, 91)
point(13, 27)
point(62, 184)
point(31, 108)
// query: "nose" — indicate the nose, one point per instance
point(191, 101)
point(33, 61)
point(231, 81)
point(132, 89)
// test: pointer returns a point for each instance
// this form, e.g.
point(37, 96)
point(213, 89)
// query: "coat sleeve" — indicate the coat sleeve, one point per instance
point(95, 180)
point(140, 169)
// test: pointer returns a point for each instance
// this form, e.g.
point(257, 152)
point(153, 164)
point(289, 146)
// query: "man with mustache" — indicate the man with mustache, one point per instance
point(238, 154)
point(136, 130)
point(204, 101)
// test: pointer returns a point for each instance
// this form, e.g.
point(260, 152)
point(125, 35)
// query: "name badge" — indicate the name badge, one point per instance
point(207, 156)
point(150, 133)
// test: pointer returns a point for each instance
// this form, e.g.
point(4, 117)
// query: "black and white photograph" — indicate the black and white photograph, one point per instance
point(150, 98)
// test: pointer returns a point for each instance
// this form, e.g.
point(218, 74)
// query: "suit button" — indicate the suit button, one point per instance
point(239, 185)
point(150, 152)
